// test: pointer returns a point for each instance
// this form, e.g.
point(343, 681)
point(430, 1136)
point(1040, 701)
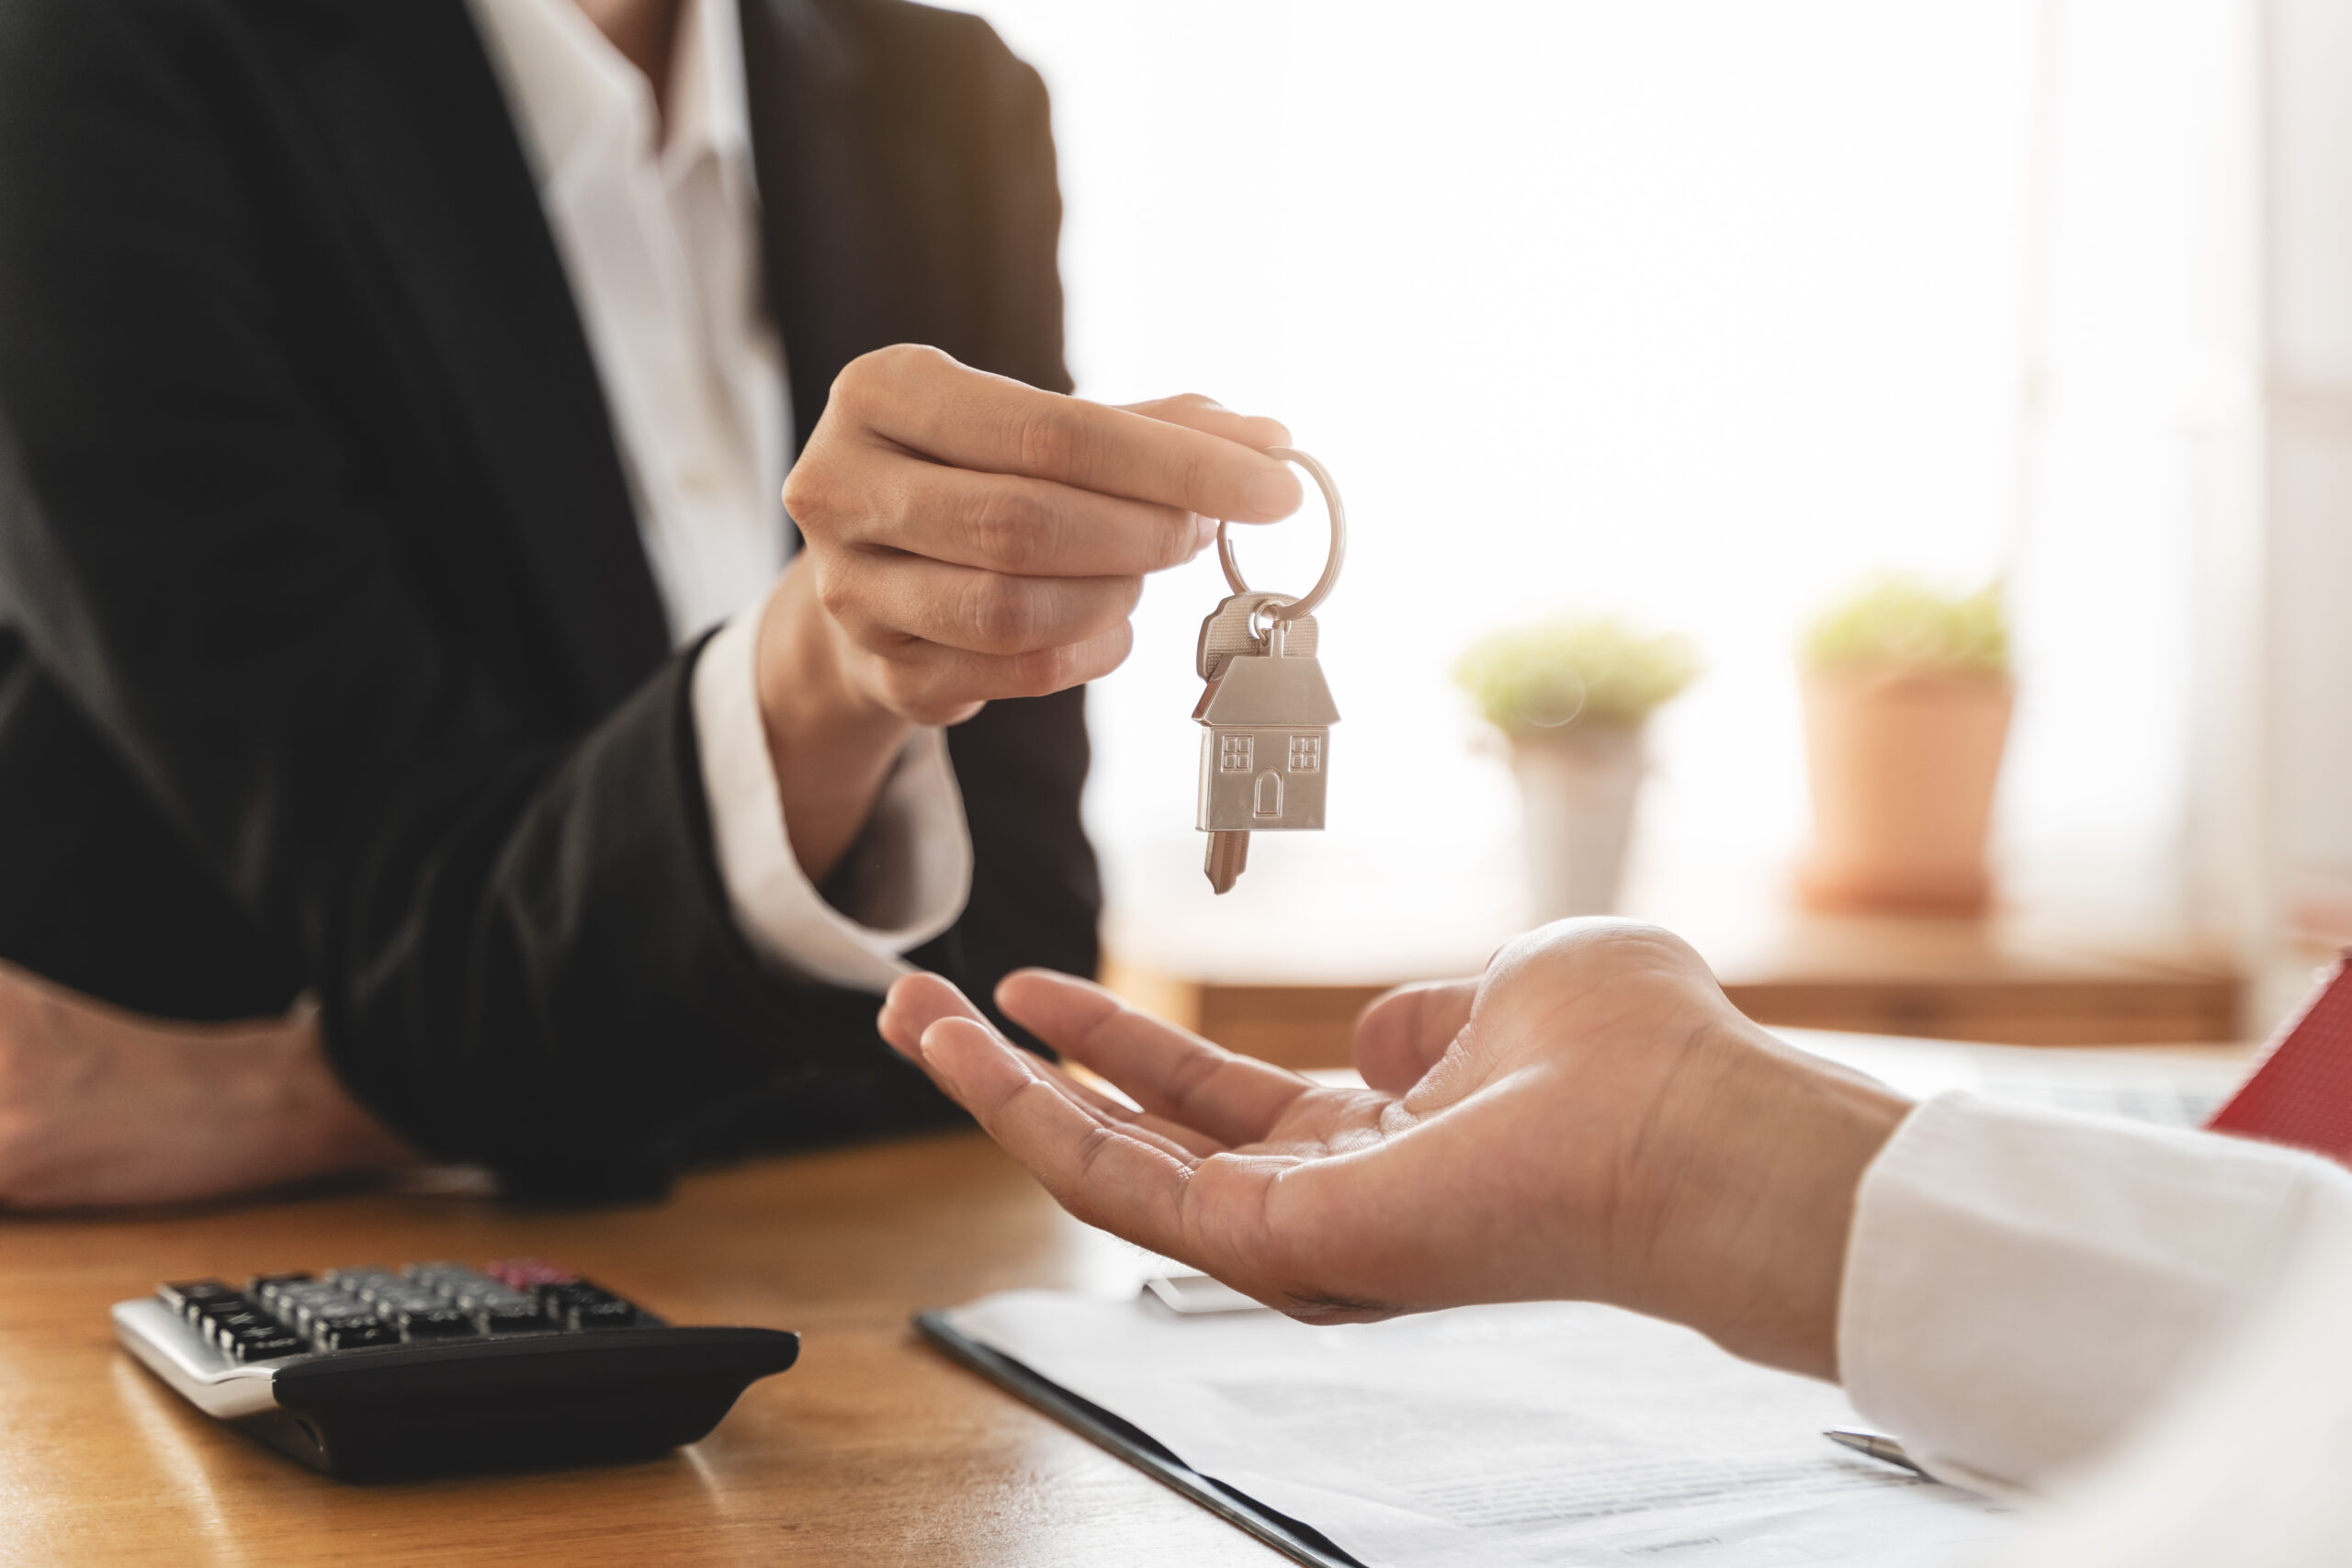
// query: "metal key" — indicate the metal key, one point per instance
point(1267, 715)
point(1232, 630)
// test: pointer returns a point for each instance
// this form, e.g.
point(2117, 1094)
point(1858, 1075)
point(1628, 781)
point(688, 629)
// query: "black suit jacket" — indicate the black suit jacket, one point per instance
point(332, 660)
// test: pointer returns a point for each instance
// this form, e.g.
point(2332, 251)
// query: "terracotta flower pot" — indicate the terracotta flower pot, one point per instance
point(1902, 765)
point(1577, 790)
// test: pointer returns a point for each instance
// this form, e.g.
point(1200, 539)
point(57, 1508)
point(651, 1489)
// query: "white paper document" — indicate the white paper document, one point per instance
point(1554, 1433)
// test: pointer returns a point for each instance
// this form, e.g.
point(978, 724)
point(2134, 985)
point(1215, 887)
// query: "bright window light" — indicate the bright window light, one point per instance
point(1692, 310)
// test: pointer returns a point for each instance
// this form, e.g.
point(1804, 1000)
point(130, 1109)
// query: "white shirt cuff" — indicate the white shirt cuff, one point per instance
point(2022, 1285)
point(914, 870)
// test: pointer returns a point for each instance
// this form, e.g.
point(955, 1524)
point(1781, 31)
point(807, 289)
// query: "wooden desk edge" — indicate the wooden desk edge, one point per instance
point(1311, 1025)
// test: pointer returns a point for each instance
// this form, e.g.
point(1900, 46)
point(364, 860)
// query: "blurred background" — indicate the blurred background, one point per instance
point(1697, 312)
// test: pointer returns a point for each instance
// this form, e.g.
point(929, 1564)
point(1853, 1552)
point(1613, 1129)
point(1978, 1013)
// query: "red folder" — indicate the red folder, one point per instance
point(2301, 1094)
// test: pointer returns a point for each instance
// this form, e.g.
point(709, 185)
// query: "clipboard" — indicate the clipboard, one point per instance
point(1300, 1542)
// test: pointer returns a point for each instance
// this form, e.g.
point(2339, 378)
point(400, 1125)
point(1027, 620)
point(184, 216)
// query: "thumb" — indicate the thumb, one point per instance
point(1400, 1036)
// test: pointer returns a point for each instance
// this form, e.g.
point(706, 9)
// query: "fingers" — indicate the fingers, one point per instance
point(913, 1004)
point(1008, 523)
point(1211, 1214)
point(1104, 1173)
point(882, 598)
point(930, 684)
point(918, 1003)
point(971, 538)
point(1401, 1035)
point(1170, 1073)
point(925, 401)
point(1206, 414)
point(1211, 417)
point(1284, 1229)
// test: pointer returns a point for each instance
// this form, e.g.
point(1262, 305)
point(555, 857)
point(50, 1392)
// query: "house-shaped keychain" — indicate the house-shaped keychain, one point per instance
point(1268, 720)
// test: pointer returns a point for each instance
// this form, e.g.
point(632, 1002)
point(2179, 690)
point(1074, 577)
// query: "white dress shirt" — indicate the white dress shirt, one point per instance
point(2155, 1327)
point(660, 238)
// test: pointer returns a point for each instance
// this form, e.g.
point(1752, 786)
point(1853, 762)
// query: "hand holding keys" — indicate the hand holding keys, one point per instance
point(1267, 714)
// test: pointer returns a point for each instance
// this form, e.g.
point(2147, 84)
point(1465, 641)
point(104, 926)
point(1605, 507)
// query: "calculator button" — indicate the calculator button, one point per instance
point(412, 1298)
point(221, 1326)
point(261, 1342)
point(527, 1274)
point(265, 1348)
point(583, 1305)
point(390, 1292)
point(285, 1297)
point(601, 1314)
point(333, 1304)
point(318, 1318)
point(437, 1322)
point(610, 1314)
point(354, 1334)
point(367, 1283)
point(185, 1296)
point(525, 1318)
point(497, 1298)
point(444, 1277)
point(297, 1290)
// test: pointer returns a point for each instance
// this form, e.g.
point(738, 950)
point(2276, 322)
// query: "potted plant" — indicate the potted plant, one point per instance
point(1571, 696)
point(1906, 712)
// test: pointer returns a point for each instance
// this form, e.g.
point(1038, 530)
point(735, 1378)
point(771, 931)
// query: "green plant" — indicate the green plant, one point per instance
point(1534, 681)
point(1894, 621)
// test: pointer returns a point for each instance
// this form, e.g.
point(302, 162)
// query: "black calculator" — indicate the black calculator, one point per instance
point(436, 1367)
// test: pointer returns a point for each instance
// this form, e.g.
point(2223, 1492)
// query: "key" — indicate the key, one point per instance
point(309, 1316)
point(584, 1306)
point(417, 1312)
point(1266, 721)
point(527, 1274)
point(354, 1335)
point(1228, 631)
point(224, 1328)
point(1268, 712)
point(494, 1308)
point(266, 1347)
point(187, 1298)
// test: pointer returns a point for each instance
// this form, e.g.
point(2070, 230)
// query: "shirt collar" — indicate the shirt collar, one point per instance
point(570, 89)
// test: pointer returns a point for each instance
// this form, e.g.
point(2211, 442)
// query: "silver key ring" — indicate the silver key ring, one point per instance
point(1296, 609)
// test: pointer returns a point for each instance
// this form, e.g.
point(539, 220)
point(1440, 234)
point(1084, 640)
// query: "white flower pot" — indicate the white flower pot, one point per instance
point(1576, 792)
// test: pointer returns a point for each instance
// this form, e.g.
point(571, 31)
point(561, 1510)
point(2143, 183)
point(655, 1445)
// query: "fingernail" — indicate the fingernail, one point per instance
point(1204, 532)
point(1273, 493)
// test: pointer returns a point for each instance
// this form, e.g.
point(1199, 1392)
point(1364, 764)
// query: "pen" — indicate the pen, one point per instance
point(1884, 1449)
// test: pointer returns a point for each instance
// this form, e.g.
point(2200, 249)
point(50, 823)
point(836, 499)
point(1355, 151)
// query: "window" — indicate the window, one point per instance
point(1305, 753)
point(1625, 316)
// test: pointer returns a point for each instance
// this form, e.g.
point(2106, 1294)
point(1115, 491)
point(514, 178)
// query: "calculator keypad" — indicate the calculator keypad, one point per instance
point(349, 1309)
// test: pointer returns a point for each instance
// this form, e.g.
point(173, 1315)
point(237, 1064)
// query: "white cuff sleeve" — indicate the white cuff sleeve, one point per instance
point(915, 858)
point(2022, 1285)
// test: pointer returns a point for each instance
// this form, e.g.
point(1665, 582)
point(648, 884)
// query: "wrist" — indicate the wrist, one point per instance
point(320, 1128)
point(804, 683)
point(1753, 1236)
point(829, 742)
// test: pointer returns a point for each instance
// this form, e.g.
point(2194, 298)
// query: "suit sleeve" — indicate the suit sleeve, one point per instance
point(513, 922)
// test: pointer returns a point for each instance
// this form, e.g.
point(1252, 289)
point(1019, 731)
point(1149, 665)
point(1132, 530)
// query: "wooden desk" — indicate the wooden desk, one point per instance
point(873, 1451)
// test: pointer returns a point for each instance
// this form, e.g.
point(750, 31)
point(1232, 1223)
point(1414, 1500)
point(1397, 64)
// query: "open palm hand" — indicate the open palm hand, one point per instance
point(1590, 1119)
